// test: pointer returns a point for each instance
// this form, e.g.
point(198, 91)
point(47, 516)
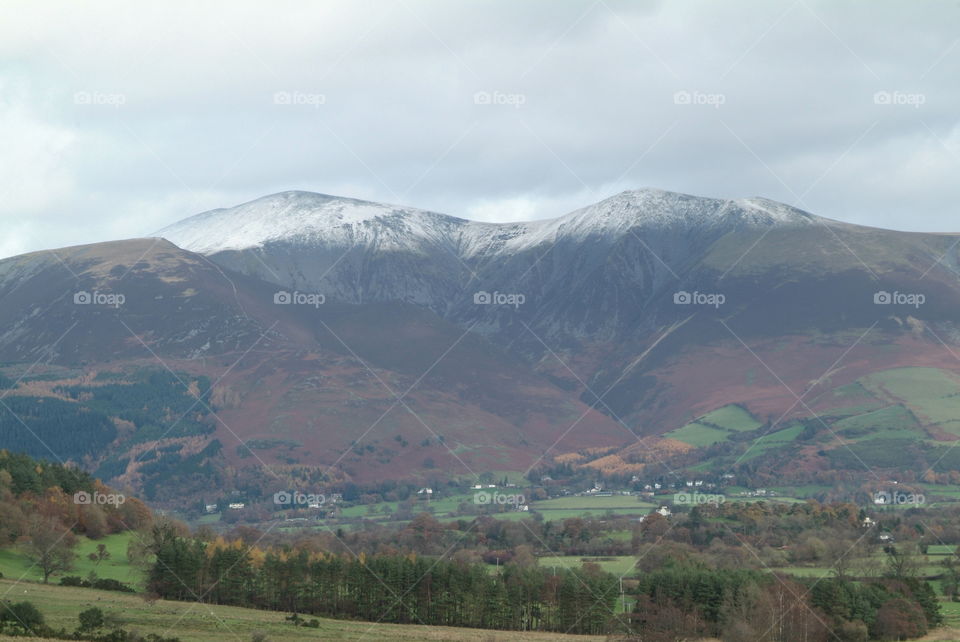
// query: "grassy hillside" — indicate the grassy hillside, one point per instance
point(201, 623)
point(896, 419)
point(14, 565)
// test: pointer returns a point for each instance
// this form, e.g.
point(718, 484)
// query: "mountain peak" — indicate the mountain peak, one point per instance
point(313, 219)
point(299, 216)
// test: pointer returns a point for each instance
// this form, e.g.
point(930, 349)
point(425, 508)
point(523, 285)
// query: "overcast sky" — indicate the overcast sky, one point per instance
point(119, 118)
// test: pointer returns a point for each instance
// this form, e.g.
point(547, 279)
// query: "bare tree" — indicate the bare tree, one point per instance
point(50, 546)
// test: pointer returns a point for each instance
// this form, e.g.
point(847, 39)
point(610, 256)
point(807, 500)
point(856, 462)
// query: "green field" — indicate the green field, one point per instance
point(14, 565)
point(619, 565)
point(730, 417)
point(192, 622)
point(592, 502)
point(715, 426)
point(941, 549)
point(699, 435)
point(894, 418)
point(933, 394)
point(776, 439)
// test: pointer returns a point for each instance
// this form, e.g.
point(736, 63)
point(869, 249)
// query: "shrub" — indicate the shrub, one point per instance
point(91, 619)
point(104, 584)
point(21, 614)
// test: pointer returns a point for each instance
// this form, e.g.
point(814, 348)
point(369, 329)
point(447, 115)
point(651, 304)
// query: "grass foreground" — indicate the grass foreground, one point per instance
point(191, 622)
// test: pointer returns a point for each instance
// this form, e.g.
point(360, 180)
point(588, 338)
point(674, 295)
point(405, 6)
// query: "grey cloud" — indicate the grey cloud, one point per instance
point(122, 118)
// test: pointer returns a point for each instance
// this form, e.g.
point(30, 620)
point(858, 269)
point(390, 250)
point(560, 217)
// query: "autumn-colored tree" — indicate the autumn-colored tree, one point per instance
point(49, 545)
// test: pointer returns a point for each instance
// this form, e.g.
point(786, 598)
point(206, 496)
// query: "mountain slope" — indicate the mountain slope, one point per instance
point(441, 345)
point(169, 371)
point(603, 306)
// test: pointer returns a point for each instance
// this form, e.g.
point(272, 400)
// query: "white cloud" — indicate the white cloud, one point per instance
point(182, 113)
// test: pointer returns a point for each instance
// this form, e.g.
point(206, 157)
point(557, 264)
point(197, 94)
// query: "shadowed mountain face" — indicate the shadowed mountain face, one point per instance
point(605, 288)
point(189, 359)
point(608, 271)
point(375, 341)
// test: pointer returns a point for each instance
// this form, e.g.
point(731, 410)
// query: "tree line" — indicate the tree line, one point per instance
point(400, 589)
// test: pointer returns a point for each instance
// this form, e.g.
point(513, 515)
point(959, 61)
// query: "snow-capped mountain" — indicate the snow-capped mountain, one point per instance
point(311, 219)
point(635, 243)
point(308, 219)
point(645, 301)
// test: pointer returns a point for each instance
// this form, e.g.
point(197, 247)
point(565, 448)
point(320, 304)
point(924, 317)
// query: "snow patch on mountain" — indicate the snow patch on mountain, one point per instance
point(306, 218)
point(310, 219)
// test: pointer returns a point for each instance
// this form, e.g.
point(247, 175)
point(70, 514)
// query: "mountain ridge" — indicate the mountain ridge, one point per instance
point(302, 216)
point(585, 328)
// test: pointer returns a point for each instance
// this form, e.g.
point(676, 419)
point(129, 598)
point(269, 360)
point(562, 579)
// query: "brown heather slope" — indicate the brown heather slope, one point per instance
point(306, 381)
